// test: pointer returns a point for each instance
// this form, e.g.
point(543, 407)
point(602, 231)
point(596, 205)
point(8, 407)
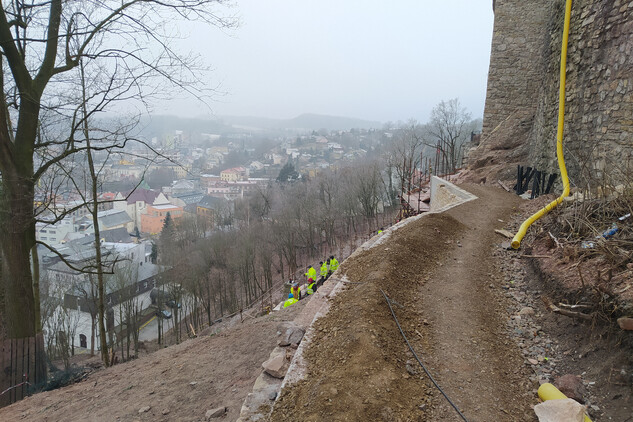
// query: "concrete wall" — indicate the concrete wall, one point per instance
point(445, 195)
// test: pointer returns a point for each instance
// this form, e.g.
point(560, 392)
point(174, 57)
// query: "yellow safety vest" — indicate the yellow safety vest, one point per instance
point(295, 292)
point(311, 273)
point(323, 270)
point(311, 288)
point(333, 264)
point(290, 301)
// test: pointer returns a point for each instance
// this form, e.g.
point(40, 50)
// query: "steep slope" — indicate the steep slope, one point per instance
point(179, 383)
point(460, 300)
point(437, 273)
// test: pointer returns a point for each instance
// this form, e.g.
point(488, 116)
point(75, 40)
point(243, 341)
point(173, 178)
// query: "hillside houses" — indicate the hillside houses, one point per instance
point(196, 180)
point(310, 154)
point(72, 227)
point(71, 294)
point(135, 203)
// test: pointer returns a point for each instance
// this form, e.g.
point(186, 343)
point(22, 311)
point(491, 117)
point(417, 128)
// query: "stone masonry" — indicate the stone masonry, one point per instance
point(521, 112)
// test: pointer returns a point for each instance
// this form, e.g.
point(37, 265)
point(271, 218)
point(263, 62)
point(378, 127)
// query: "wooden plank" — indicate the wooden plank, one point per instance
point(550, 182)
point(18, 357)
point(507, 189)
point(31, 365)
point(40, 360)
point(14, 369)
point(5, 362)
point(529, 172)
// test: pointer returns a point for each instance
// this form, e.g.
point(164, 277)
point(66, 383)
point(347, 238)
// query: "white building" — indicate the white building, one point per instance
point(135, 203)
point(75, 292)
point(53, 234)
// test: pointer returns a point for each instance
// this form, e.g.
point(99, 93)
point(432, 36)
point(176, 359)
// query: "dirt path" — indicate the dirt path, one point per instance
point(473, 358)
point(437, 271)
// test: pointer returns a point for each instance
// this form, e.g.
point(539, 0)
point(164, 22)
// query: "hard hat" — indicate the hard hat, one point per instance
point(310, 280)
point(295, 285)
point(290, 296)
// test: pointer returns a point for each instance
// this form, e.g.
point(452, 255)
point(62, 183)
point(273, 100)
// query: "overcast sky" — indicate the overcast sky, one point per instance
point(375, 60)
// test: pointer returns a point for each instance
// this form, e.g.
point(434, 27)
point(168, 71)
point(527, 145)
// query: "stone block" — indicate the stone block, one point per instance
point(215, 413)
point(571, 386)
point(626, 323)
point(564, 410)
point(276, 366)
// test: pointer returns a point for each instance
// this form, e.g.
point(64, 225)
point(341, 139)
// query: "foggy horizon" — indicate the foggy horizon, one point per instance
point(360, 60)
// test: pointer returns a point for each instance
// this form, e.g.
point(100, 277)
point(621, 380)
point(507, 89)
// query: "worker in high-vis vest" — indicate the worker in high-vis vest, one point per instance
point(311, 286)
point(322, 278)
point(290, 301)
point(333, 264)
point(296, 291)
point(324, 269)
point(311, 273)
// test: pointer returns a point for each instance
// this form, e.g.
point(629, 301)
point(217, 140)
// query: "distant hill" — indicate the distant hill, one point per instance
point(304, 121)
point(158, 125)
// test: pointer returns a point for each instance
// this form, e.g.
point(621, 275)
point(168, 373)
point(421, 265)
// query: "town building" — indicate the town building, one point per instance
point(135, 203)
point(153, 219)
point(234, 174)
point(73, 295)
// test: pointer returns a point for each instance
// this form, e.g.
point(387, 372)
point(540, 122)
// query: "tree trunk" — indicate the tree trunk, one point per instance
point(97, 234)
point(20, 314)
point(17, 240)
point(92, 333)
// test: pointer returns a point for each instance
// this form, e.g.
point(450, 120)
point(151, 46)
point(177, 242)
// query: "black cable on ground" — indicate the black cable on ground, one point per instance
point(418, 359)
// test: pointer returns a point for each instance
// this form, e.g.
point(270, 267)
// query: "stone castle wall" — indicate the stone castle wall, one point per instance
point(520, 117)
point(516, 60)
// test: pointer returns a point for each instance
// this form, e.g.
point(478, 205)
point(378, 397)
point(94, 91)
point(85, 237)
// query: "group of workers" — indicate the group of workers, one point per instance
point(326, 268)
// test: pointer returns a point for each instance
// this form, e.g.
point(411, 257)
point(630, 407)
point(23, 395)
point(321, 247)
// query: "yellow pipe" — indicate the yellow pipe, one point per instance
point(516, 241)
point(548, 392)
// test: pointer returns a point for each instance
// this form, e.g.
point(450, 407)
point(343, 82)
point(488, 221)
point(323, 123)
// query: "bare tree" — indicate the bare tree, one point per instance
point(124, 282)
point(450, 128)
point(403, 157)
point(367, 183)
point(60, 324)
point(41, 43)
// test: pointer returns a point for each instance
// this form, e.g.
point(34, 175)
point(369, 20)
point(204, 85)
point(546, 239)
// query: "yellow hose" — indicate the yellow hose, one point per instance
point(547, 392)
point(516, 241)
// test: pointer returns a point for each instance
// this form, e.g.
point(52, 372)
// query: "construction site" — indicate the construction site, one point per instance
point(436, 293)
point(500, 292)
